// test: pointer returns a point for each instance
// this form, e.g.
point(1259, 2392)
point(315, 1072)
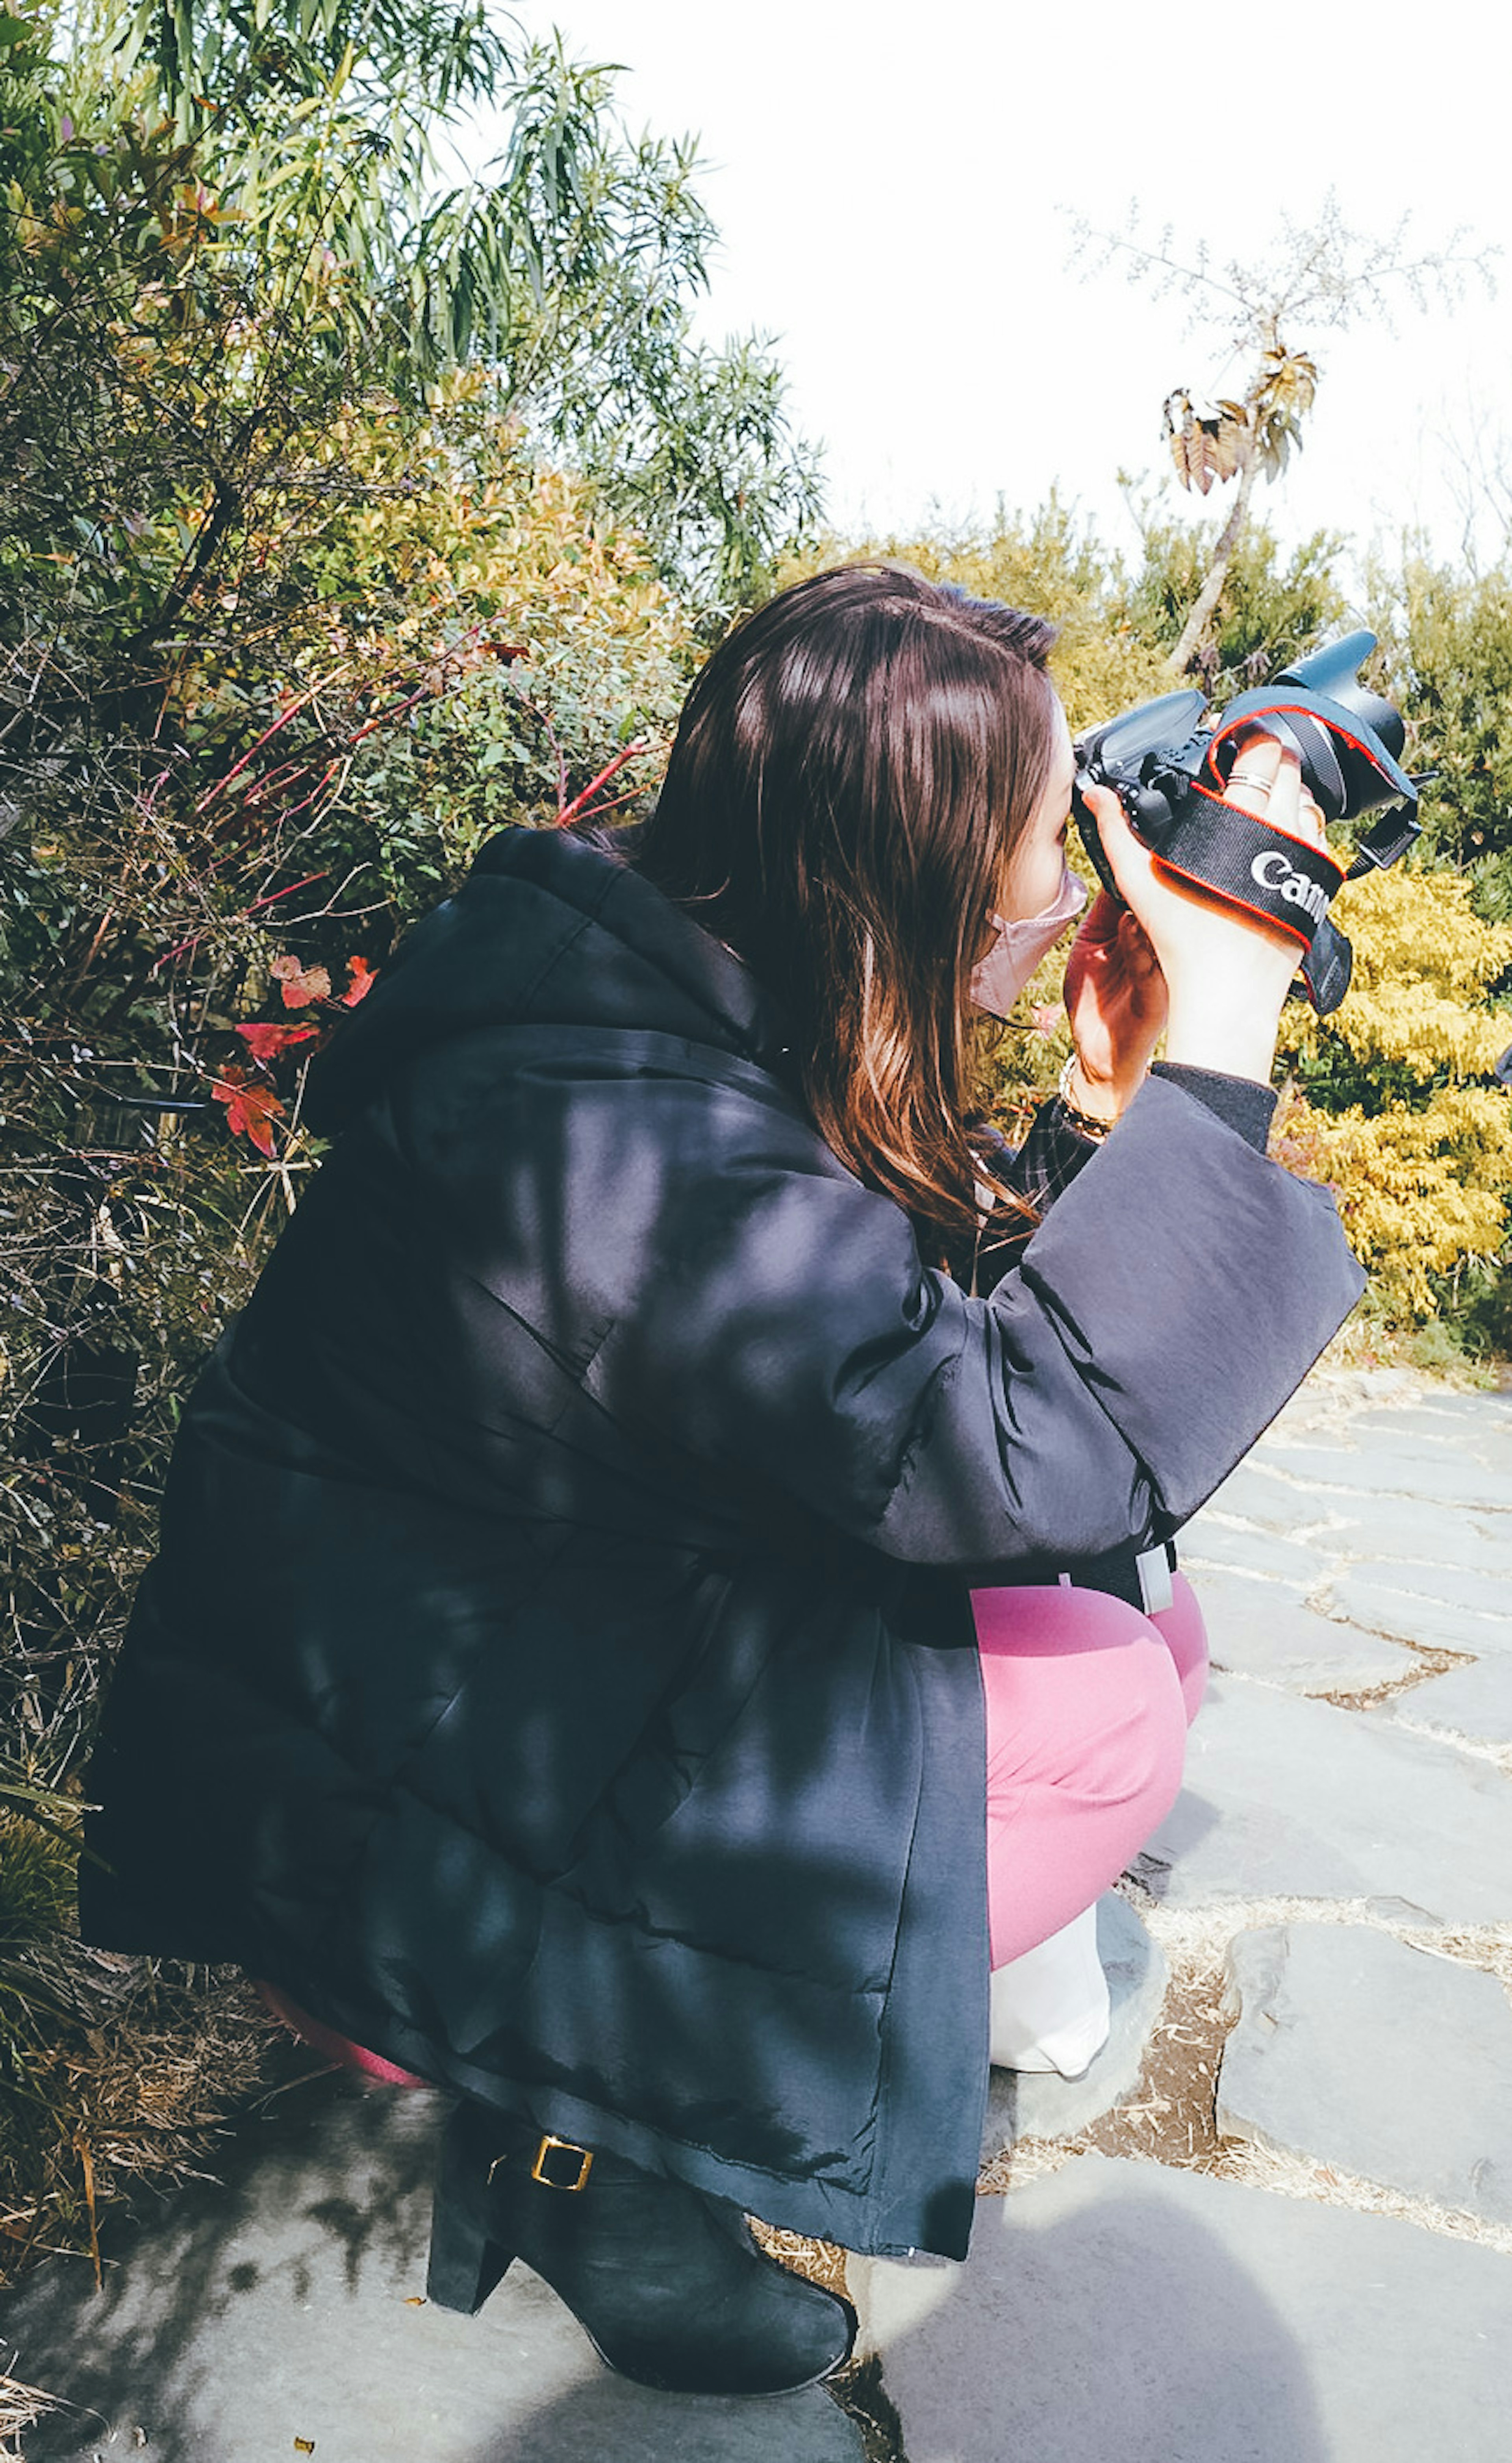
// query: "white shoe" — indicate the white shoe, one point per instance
point(1050, 2008)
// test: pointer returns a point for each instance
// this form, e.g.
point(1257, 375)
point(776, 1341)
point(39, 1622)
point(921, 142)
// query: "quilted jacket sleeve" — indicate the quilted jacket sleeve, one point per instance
point(1172, 1299)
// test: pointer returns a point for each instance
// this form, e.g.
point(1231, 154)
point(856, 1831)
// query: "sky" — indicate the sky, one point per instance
point(896, 189)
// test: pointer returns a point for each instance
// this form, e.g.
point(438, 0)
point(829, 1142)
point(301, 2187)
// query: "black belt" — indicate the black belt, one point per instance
point(1139, 1577)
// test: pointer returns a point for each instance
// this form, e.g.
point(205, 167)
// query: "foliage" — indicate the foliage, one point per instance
point(1397, 1115)
point(302, 797)
point(1273, 607)
point(292, 615)
point(1413, 1020)
point(1422, 1190)
point(1447, 639)
point(284, 240)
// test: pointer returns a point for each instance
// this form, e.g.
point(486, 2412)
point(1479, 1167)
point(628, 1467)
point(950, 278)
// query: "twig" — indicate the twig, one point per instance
point(566, 812)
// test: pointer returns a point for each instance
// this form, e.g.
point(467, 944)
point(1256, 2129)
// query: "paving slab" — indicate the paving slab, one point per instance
point(1448, 1476)
point(1483, 1594)
point(1481, 1425)
point(1287, 1797)
point(1311, 1440)
point(1353, 2050)
point(1205, 1540)
point(1365, 1528)
point(1478, 1463)
point(1414, 1613)
point(1021, 2104)
point(1260, 1629)
point(1330, 1393)
point(1484, 1438)
point(1120, 2309)
point(1264, 1497)
point(278, 2308)
point(1472, 1702)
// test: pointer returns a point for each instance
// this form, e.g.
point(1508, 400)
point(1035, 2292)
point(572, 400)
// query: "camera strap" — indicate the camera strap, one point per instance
point(1230, 853)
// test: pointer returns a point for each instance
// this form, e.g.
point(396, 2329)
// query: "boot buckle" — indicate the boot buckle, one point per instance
point(542, 2170)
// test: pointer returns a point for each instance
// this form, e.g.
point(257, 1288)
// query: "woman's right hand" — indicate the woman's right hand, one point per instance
point(1228, 972)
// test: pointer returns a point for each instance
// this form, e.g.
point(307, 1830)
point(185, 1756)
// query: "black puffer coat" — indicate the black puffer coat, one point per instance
point(558, 1672)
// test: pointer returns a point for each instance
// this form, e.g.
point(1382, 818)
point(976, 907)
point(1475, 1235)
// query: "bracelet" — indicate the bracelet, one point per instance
point(1086, 1123)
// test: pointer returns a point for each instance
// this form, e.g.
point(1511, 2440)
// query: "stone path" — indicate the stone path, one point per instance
point(1273, 2225)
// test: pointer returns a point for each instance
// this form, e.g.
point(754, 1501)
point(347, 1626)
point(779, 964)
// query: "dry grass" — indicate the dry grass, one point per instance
point(823, 2261)
point(1294, 2176)
point(21, 2408)
point(144, 2063)
point(1168, 2119)
point(1429, 1660)
point(1500, 1757)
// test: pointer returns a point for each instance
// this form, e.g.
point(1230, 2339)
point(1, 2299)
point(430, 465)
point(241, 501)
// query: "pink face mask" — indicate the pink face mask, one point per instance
point(1020, 946)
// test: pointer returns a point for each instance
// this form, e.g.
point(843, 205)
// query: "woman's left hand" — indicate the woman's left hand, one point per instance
point(1115, 998)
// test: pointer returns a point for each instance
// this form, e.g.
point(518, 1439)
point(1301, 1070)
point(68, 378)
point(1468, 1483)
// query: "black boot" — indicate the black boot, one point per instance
point(668, 2285)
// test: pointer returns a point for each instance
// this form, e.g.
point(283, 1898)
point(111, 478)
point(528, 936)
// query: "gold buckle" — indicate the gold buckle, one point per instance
point(543, 2152)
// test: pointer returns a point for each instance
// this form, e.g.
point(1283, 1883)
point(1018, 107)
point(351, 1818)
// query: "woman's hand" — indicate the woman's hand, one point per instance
point(1227, 972)
point(1115, 998)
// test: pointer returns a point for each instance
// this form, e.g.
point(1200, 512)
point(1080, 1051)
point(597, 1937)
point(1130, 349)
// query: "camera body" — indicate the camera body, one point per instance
point(1169, 765)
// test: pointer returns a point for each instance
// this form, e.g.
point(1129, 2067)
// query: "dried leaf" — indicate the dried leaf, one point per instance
point(249, 1109)
point(1186, 451)
point(1225, 447)
point(301, 985)
point(362, 978)
point(266, 1039)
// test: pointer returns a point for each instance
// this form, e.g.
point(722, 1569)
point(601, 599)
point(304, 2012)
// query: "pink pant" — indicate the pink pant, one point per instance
point(1087, 1709)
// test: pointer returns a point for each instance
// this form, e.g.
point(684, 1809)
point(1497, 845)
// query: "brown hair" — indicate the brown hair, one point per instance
point(852, 771)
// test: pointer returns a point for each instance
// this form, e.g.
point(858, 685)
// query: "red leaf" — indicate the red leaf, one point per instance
point(249, 1109)
point(301, 985)
point(265, 1040)
point(362, 984)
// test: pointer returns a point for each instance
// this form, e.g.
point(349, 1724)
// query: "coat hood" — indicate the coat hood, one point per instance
point(549, 928)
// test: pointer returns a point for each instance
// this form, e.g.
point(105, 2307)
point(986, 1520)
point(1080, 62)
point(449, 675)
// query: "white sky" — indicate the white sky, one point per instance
point(887, 182)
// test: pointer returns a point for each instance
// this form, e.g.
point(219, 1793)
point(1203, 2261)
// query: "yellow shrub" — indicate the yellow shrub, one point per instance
point(1423, 960)
point(1423, 1168)
point(1420, 1192)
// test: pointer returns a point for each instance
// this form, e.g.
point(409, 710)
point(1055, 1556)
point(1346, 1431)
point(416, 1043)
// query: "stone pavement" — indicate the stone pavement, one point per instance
point(1273, 2223)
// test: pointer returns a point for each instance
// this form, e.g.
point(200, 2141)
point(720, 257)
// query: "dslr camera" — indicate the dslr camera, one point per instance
point(1169, 765)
